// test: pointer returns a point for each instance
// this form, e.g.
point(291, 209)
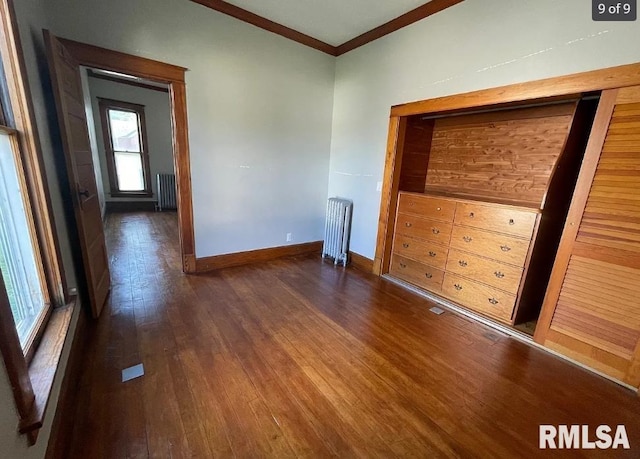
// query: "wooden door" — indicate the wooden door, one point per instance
point(67, 89)
point(591, 311)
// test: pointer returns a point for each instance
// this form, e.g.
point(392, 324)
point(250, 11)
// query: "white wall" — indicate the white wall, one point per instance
point(476, 44)
point(158, 123)
point(259, 109)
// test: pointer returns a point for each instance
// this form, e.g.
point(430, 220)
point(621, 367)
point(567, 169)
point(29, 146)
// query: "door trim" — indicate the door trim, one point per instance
point(173, 75)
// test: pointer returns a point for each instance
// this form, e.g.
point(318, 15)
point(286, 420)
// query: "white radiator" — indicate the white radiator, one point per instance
point(337, 229)
point(166, 191)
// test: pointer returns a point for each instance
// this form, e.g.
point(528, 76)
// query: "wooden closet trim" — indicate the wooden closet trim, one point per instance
point(174, 76)
point(547, 90)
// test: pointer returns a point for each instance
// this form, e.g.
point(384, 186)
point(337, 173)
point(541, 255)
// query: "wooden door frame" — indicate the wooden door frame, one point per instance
point(556, 88)
point(174, 76)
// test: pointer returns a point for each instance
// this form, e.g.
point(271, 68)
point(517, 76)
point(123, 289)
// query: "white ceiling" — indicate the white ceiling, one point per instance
point(331, 21)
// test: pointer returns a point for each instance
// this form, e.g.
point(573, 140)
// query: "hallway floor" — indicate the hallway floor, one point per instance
point(296, 357)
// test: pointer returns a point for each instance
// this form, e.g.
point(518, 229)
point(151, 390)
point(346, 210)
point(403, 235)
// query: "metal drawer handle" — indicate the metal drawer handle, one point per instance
point(408, 225)
point(462, 263)
point(467, 239)
point(472, 214)
point(505, 248)
point(428, 275)
point(499, 275)
point(432, 254)
point(435, 231)
point(512, 222)
point(438, 208)
point(402, 265)
point(411, 203)
point(405, 245)
point(493, 301)
point(458, 287)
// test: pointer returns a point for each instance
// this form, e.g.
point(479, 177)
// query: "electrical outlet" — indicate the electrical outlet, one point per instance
point(379, 186)
point(289, 237)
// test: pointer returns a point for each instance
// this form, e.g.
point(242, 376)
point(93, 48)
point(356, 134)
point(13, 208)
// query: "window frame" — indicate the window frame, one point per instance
point(105, 105)
point(31, 370)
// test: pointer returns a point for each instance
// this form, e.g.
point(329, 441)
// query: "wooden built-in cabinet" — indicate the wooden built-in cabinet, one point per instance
point(521, 204)
point(471, 253)
point(471, 224)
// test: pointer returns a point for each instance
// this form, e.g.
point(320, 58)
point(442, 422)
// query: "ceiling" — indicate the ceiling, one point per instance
point(331, 21)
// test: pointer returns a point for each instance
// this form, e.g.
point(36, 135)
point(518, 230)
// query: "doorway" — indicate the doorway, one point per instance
point(65, 60)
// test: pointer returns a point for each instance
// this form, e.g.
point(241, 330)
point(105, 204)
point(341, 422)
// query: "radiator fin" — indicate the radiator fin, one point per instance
point(337, 230)
point(166, 192)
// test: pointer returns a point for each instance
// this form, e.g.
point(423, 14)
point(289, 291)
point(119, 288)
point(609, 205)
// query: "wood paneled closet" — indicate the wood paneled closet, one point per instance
point(522, 205)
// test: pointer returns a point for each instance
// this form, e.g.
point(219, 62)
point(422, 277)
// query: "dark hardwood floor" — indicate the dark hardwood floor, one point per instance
point(296, 357)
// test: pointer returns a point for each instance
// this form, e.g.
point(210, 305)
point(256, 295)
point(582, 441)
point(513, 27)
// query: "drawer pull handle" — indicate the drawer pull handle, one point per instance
point(505, 248)
point(512, 222)
point(498, 274)
point(402, 265)
point(462, 263)
point(471, 214)
point(428, 275)
point(408, 225)
point(438, 208)
point(432, 254)
point(467, 239)
point(435, 231)
point(458, 287)
point(493, 301)
point(411, 203)
point(405, 245)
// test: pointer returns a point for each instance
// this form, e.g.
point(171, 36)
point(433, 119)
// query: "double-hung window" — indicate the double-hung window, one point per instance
point(32, 281)
point(124, 132)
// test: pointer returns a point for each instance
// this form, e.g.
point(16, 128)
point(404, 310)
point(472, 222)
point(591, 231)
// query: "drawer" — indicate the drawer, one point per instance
point(427, 206)
point(416, 273)
point(479, 297)
point(424, 228)
point(500, 247)
point(423, 251)
point(501, 219)
point(494, 273)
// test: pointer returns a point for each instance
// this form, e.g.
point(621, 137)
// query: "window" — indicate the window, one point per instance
point(20, 262)
point(19, 253)
point(124, 132)
point(33, 288)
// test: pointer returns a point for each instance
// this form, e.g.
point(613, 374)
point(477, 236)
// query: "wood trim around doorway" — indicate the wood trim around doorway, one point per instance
point(106, 59)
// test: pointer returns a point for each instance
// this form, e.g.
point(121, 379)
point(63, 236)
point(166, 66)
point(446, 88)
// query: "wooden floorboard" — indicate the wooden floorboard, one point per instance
point(299, 358)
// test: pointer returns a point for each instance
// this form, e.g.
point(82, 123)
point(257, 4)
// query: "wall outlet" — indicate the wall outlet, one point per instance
point(379, 186)
point(289, 237)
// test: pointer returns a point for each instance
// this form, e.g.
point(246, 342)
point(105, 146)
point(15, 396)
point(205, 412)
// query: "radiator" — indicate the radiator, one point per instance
point(337, 229)
point(166, 192)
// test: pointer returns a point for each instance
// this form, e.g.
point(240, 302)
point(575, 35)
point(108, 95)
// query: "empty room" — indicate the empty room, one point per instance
point(308, 229)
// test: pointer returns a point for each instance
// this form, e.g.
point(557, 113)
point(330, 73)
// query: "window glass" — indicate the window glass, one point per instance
point(17, 253)
point(125, 134)
point(129, 171)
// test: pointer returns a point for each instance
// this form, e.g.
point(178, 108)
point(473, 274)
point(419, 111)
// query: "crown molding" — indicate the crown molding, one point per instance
point(415, 15)
point(266, 24)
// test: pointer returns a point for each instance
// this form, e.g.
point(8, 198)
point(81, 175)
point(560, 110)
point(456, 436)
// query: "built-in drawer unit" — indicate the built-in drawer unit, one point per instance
point(425, 251)
point(491, 272)
point(500, 219)
point(425, 206)
point(424, 228)
point(483, 246)
point(500, 247)
point(416, 273)
point(479, 297)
